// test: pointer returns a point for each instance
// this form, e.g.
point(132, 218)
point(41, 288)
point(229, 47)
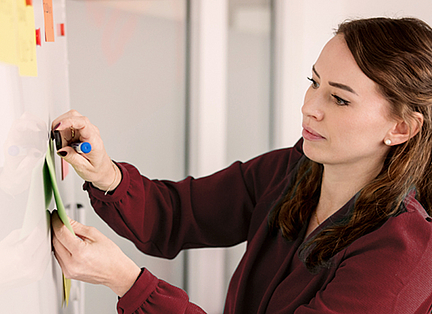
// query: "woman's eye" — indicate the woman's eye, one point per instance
point(340, 101)
point(314, 84)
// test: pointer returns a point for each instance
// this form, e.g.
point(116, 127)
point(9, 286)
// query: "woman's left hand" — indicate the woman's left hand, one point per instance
point(92, 257)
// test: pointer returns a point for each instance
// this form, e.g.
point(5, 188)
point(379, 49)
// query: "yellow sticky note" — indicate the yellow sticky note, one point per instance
point(8, 32)
point(26, 39)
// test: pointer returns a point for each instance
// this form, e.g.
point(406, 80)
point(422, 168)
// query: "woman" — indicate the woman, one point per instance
point(336, 224)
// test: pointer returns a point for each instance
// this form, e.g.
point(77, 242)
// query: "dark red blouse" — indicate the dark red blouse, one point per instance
point(386, 271)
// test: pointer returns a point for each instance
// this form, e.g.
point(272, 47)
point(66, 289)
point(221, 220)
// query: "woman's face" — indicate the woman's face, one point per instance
point(345, 118)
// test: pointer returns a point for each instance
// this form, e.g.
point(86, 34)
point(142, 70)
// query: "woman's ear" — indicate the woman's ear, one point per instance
point(403, 130)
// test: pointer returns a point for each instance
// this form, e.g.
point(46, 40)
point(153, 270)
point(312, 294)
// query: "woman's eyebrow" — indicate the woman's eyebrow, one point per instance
point(343, 86)
point(334, 84)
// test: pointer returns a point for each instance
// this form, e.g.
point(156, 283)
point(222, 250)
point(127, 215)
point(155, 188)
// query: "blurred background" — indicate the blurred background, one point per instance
point(186, 87)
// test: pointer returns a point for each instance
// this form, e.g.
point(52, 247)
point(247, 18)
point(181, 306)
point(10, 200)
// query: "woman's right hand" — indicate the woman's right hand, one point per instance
point(96, 166)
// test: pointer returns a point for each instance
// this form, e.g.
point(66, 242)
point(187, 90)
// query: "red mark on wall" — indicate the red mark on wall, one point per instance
point(117, 26)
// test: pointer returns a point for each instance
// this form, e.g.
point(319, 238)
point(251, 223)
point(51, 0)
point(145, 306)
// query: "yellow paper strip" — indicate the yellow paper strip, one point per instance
point(66, 290)
point(26, 39)
point(8, 32)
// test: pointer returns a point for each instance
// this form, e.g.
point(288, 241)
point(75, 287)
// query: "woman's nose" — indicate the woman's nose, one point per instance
point(312, 105)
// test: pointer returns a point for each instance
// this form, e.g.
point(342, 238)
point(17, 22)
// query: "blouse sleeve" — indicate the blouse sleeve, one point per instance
point(163, 217)
point(153, 296)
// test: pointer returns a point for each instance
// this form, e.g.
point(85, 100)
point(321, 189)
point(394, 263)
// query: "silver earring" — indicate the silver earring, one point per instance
point(387, 142)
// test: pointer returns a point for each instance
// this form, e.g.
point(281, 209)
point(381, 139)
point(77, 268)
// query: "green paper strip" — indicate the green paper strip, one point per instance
point(51, 168)
point(50, 184)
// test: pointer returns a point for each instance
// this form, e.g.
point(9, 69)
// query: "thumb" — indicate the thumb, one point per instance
point(84, 232)
point(61, 233)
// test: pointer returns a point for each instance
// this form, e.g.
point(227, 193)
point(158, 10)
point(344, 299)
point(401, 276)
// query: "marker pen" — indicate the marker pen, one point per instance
point(55, 135)
point(82, 148)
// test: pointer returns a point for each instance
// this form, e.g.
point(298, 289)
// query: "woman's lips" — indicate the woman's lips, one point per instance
point(311, 135)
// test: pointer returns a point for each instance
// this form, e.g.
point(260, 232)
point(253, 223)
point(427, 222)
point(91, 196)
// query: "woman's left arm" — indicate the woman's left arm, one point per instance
point(92, 257)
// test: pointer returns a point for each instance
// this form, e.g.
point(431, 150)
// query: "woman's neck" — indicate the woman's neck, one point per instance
point(339, 185)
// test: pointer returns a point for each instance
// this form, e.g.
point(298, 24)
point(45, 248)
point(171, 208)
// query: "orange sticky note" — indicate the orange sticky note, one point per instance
point(49, 20)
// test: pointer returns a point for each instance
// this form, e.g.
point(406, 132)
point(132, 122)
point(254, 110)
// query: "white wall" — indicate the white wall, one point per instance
point(127, 76)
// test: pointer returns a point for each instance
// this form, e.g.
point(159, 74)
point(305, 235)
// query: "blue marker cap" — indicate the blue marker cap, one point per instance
point(82, 148)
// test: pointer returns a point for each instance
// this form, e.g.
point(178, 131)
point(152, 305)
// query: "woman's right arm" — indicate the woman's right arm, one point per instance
point(164, 217)
point(160, 217)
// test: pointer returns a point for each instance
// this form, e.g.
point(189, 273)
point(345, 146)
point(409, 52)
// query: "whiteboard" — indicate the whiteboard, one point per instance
point(30, 278)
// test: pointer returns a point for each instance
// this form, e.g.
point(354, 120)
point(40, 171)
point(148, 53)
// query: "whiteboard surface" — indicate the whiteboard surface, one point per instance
point(30, 278)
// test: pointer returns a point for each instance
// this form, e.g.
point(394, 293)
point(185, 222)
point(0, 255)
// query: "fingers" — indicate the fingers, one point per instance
point(94, 166)
point(66, 238)
point(65, 244)
point(86, 233)
point(80, 162)
point(74, 127)
point(64, 127)
point(70, 115)
point(60, 252)
point(82, 128)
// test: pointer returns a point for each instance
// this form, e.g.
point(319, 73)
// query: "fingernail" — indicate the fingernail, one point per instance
point(56, 127)
point(63, 154)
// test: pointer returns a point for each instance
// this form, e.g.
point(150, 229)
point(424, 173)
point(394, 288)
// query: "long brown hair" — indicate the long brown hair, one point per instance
point(397, 55)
